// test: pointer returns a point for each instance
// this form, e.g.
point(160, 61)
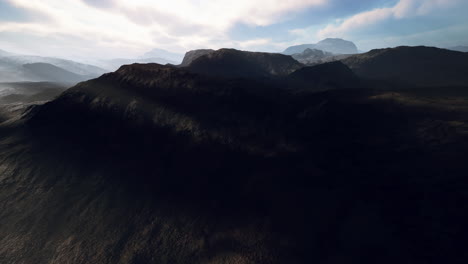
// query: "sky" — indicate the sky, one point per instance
point(104, 29)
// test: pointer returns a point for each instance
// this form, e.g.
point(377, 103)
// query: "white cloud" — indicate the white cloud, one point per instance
point(138, 25)
point(248, 44)
point(403, 9)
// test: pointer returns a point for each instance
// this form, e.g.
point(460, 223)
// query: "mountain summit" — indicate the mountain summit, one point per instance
point(233, 63)
point(333, 45)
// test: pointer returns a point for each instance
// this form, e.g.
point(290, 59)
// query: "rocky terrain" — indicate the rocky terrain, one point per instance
point(241, 157)
point(233, 63)
point(314, 57)
point(192, 55)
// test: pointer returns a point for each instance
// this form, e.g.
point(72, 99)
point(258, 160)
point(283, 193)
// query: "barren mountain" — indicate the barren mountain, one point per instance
point(193, 55)
point(12, 70)
point(161, 164)
point(424, 66)
point(240, 64)
point(332, 45)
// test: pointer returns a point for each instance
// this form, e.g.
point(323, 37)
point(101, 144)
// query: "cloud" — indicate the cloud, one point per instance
point(138, 25)
point(403, 9)
point(254, 43)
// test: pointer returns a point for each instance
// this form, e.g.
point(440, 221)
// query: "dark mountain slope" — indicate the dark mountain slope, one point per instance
point(27, 92)
point(241, 64)
point(157, 164)
point(332, 75)
point(424, 66)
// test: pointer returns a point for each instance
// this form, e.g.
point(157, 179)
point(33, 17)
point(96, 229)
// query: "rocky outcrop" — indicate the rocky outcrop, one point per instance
point(233, 63)
point(193, 55)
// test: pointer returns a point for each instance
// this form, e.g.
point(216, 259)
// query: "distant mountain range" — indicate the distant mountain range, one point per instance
point(315, 56)
point(52, 73)
point(19, 68)
point(332, 45)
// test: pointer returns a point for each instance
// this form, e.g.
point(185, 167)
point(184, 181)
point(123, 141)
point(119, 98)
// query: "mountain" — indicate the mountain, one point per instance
point(160, 164)
point(314, 56)
point(298, 49)
point(4, 53)
point(115, 64)
point(332, 45)
point(192, 55)
point(310, 56)
point(459, 48)
point(326, 76)
point(158, 56)
point(51, 73)
point(71, 66)
point(12, 70)
point(37, 72)
point(337, 46)
point(240, 64)
point(424, 66)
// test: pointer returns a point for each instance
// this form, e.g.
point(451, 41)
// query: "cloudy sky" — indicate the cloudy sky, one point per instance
point(82, 29)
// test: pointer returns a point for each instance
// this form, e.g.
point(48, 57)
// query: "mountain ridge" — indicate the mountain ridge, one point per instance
point(420, 65)
point(242, 64)
point(333, 45)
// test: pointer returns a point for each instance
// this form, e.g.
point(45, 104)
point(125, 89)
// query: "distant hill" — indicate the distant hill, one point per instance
point(315, 56)
point(12, 70)
point(71, 66)
point(49, 72)
point(459, 48)
point(309, 56)
point(4, 53)
point(242, 64)
point(421, 65)
point(115, 64)
point(333, 45)
point(158, 56)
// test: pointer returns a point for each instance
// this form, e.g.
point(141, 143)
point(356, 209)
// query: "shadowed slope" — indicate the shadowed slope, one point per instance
point(241, 64)
point(156, 164)
point(423, 66)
